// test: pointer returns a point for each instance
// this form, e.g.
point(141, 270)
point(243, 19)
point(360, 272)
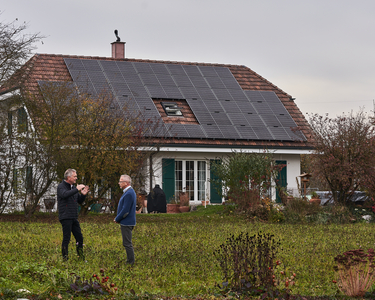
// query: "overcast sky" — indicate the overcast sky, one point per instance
point(321, 52)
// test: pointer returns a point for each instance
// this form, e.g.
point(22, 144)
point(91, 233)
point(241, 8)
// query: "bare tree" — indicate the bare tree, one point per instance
point(344, 153)
point(16, 47)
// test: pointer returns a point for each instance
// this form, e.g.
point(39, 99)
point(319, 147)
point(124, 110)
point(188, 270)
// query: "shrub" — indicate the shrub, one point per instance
point(300, 211)
point(355, 270)
point(247, 263)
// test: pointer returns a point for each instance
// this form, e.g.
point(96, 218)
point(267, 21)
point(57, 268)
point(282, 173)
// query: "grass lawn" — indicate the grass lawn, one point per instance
point(174, 254)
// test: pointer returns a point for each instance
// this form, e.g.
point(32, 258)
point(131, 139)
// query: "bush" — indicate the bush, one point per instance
point(355, 270)
point(247, 263)
point(300, 211)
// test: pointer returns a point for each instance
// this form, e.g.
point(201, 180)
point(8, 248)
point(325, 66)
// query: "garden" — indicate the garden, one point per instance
point(176, 256)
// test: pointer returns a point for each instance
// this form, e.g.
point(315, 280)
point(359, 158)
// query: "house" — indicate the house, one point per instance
point(208, 111)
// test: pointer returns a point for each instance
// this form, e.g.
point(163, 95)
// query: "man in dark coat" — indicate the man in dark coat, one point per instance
point(68, 197)
point(156, 201)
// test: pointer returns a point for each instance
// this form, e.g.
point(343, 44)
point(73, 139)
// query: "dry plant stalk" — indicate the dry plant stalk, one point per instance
point(356, 272)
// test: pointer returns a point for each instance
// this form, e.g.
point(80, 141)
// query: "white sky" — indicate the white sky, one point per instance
point(321, 52)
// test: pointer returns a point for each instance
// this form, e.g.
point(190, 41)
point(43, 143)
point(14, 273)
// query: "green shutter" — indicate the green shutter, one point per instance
point(168, 177)
point(214, 186)
point(281, 178)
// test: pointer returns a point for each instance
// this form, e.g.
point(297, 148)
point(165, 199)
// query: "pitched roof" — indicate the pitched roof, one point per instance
point(45, 67)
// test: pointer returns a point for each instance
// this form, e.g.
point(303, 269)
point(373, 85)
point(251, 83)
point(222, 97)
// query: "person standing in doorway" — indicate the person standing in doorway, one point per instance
point(126, 216)
point(68, 197)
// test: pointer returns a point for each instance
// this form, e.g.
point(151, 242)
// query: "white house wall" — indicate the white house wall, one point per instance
point(293, 164)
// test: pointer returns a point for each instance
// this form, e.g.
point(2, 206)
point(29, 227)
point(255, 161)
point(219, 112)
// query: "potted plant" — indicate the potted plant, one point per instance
point(184, 202)
point(173, 205)
point(315, 198)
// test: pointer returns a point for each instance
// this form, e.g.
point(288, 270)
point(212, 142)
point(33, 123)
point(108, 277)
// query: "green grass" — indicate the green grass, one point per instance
point(174, 253)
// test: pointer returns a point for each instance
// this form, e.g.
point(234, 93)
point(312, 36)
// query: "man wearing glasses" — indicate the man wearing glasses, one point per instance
point(126, 216)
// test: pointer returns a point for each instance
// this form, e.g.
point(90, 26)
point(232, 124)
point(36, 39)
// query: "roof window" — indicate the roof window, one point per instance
point(172, 109)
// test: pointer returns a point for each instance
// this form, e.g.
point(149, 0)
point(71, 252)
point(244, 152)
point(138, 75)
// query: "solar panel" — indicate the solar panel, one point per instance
point(178, 131)
point(189, 92)
point(213, 106)
point(74, 64)
point(149, 79)
point(230, 106)
point(262, 107)
point(246, 132)
point(221, 118)
point(175, 69)
point(195, 131)
point(126, 67)
point(263, 133)
point(279, 133)
point(159, 69)
point(218, 102)
point(238, 119)
point(214, 82)
point(208, 71)
point(222, 94)
point(206, 94)
point(91, 65)
point(192, 70)
point(142, 67)
point(229, 132)
point(165, 80)
point(182, 81)
point(212, 131)
point(198, 82)
point(271, 120)
point(223, 72)
point(172, 92)
point(156, 91)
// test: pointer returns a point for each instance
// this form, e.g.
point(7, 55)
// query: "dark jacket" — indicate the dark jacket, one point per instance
point(157, 201)
point(126, 208)
point(68, 198)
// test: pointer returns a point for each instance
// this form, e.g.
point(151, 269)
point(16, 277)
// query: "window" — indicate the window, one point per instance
point(22, 180)
point(10, 123)
point(172, 109)
point(21, 120)
point(191, 177)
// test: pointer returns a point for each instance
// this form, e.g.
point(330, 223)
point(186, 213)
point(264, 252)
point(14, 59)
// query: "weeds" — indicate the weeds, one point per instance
point(355, 269)
point(247, 263)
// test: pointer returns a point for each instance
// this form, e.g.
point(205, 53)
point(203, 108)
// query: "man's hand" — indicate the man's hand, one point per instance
point(80, 187)
point(85, 190)
point(114, 220)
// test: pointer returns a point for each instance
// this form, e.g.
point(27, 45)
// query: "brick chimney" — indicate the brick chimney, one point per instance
point(118, 49)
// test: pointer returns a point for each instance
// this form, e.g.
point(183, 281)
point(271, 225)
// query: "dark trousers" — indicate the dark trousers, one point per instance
point(126, 232)
point(70, 226)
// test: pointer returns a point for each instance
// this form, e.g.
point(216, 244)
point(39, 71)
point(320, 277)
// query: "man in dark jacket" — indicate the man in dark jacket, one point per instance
point(157, 201)
point(68, 197)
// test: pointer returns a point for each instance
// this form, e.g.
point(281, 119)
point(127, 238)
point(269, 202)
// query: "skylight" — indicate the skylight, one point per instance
point(172, 109)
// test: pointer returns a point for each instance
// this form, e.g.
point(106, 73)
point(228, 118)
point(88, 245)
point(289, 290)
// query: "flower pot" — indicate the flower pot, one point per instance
point(183, 209)
point(173, 208)
point(205, 202)
point(315, 201)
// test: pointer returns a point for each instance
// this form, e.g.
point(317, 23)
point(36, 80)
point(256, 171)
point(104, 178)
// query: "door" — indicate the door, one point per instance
point(281, 179)
point(168, 177)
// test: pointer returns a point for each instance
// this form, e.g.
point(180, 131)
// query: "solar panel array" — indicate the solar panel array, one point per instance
point(222, 108)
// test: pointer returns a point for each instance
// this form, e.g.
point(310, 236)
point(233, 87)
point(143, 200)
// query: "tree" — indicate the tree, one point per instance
point(93, 135)
point(247, 177)
point(15, 47)
point(344, 154)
